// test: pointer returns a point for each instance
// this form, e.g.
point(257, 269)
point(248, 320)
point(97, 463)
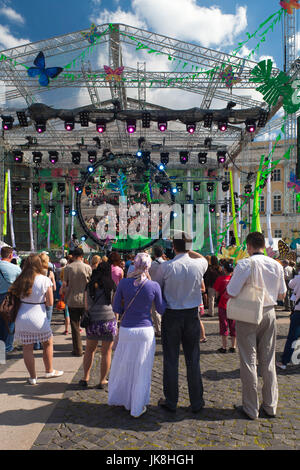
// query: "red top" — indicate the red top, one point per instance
point(220, 286)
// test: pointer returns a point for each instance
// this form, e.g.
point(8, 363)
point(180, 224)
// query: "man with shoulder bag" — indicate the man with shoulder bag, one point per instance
point(256, 329)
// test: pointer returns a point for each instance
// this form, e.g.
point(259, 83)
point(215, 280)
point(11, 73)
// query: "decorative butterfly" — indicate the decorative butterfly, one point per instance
point(294, 183)
point(289, 5)
point(43, 73)
point(244, 223)
point(284, 251)
point(113, 74)
point(92, 34)
point(228, 76)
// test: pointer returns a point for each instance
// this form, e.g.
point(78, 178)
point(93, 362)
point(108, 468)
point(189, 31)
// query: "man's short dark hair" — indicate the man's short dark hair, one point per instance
point(179, 244)
point(77, 253)
point(256, 240)
point(6, 251)
point(158, 251)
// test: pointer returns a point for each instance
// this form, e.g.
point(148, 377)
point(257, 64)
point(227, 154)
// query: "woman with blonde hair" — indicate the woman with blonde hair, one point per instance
point(34, 289)
point(95, 262)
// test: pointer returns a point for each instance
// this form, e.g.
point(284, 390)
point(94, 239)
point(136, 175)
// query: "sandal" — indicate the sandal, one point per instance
point(203, 340)
point(83, 383)
point(54, 373)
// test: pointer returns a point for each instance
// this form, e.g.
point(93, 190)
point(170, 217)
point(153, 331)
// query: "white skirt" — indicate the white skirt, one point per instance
point(129, 382)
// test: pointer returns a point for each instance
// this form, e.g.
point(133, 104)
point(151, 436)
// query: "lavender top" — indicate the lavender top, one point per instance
point(139, 313)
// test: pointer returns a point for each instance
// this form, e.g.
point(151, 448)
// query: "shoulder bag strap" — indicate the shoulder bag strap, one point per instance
point(132, 300)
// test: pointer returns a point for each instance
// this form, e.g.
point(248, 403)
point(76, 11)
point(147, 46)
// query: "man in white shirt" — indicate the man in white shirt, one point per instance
point(288, 276)
point(257, 343)
point(158, 260)
point(180, 280)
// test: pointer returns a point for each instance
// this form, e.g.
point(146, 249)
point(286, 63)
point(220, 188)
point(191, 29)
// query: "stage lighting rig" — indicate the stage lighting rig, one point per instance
point(53, 156)
point(7, 122)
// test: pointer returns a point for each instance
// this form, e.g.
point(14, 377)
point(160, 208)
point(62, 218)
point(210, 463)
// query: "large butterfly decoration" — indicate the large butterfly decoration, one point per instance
point(42, 72)
point(289, 5)
point(294, 183)
point(113, 74)
point(229, 77)
point(285, 253)
point(92, 34)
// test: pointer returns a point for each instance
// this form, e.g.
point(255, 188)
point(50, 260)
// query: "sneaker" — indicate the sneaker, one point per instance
point(222, 350)
point(31, 381)
point(232, 350)
point(280, 365)
point(54, 373)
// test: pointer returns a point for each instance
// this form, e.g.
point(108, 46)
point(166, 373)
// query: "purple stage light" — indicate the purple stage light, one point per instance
point(162, 126)
point(191, 128)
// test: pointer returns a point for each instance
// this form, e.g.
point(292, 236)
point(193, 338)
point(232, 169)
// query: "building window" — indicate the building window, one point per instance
point(277, 174)
point(278, 234)
point(277, 203)
point(262, 203)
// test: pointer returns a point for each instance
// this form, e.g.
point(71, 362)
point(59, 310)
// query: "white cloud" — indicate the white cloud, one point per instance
point(12, 15)
point(119, 16)
point(7, 40)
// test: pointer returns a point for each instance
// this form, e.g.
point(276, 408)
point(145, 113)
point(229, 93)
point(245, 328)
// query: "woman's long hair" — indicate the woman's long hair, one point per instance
point(22, 287)
point(101, 279)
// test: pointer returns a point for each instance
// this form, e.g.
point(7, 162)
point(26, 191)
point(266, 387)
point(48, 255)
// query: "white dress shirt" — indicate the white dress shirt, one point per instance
point(154, 267)
point(295, 285)
point(267, 272)
point(180, 280)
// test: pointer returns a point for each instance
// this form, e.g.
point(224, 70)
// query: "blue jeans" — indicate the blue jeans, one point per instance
point(5, 335)
point(182, 326)
point(293, 334)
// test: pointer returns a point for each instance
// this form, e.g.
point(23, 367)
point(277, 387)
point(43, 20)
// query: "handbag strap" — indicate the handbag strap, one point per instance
point(134, 297)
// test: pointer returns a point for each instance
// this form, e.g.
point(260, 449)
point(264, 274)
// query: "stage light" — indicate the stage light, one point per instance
point(22, 118)
point(162, 126)
point(51, 209)
point(202, 158)
point(49, 187)
point(7, 122)
point(66, 210)
point(92, 156)
point(188, 198)
point(221, 156)
point(139, 154)
point(18, 187)
point(18, 156)
point(69, 124)
point(248, 189)
point(36, 187)
point(78, 187)
point(84, 118)
point(83, 238)
point(90, 169)
point(207, 120)
point(210, 187)
point(61, 187)
point(100, 126)
point(88, 190)
point(131, 126)
point(222, 125)
point(179, 187)
point(73, 213)
point(146, 157)
point(76, 157)
point(174, 190)
point(250, 125)
point(164, 158)
point(161, 167)
point(37, 157)
point(196, 186)
point(146, 120)
point(40, 126)
point(212, 208)
point(191, 127)
point(225, 186)
point(183, 157)
point(102, 179)
point(37, 209)
point(53, 157)
point(262, 120)
point(224, 208)
point(164, 189)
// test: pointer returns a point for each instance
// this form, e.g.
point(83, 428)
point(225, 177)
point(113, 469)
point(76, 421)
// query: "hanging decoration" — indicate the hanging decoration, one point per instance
point(4, 232)
point(234, 253)
point(294, 183)
point(233, 210)
point(227, 76)
point(10, 211)
point(111, 74)
point(92, 34)
point(120, 185)
point(255, 225)
point(285, 252)
point(30, 219)
point(41, 71)
point(289, 5)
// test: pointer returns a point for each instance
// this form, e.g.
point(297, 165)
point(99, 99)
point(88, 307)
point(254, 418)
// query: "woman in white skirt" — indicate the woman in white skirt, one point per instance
point(31, 326)
point(130, 376)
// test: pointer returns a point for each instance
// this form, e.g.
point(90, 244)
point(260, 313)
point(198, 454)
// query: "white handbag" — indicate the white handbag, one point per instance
point(248, 305)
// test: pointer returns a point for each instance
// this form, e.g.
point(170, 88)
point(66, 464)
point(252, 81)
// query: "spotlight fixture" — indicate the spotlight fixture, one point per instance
point(78, 187)
point(131, 126)
point(191, 127)
point(164, 189)
point(207, 120)
point(88, 190)
point(51, 209)
point(224, 208)
point(248, 189)
point(188, 198)
point(76, 157)
point(250, 125)
point(83, 238)
point(17, 187)
point(179, 187)
point(225, 186)
point(92, 156)
point(7, 122)
point(222, 125)
point(18, 156)
point(202, 158)
point(69, 124)
point(183, 157)
point(61, 187)
point(66, 210)
point(263, 117)
point(22, 118)
point(174, 190)
point(212, 208)
point(100, 126)
point(146, 157)
point(49, 187)
point(161, 167)
point(36, 187)
point(37, 157)
point(196, 186)
point(37, 209)
point(139, 154)
point(84, 118)
point(53, 157)
point(210, 187)
point(73, 213)
point(90, 169)
point(221, 156)
point(146, 120)
point(162, 126)
point(164, 157)
point(40, 126)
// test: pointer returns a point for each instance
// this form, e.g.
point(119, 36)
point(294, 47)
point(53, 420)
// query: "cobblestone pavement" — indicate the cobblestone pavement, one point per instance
point(83, 420)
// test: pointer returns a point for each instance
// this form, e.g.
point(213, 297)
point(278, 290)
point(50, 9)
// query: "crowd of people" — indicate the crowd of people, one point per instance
point(127, 303)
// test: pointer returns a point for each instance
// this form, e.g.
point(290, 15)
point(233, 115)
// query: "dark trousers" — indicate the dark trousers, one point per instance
point(293, 335)
point(182, 326)
point(75, 317)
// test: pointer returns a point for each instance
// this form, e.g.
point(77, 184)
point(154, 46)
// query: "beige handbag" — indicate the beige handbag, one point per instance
point(248, 305)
